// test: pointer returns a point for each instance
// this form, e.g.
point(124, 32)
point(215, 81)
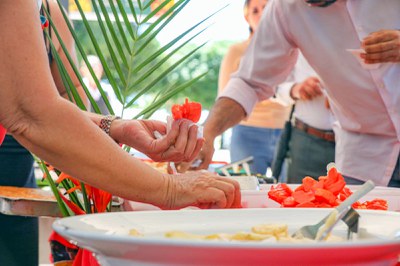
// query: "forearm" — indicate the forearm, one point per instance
point(116, 129)
point(75, 145)
point(225, 114)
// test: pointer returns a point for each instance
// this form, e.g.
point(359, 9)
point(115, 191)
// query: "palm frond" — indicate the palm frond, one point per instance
point(162, 75)
point(110, 47)
point(129, 30)
point(84, 57)
point(63, 208)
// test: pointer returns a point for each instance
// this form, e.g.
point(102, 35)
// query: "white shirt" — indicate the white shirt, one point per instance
point(312, 112)
point(366, 102)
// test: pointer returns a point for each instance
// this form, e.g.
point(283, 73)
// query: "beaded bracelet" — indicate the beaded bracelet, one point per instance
point(105, 123)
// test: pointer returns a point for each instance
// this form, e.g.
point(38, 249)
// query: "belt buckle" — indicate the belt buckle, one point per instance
point(329, 136)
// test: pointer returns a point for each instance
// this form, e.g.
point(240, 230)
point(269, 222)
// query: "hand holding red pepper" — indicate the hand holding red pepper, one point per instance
point(188, 110)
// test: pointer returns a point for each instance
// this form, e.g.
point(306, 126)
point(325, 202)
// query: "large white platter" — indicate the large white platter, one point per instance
point(107, 235)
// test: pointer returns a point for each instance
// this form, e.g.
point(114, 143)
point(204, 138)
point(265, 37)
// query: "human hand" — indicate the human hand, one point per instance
point(381, 46)
point(179, 144)
point(307, 90)
point(204, 158)
point(202, 189)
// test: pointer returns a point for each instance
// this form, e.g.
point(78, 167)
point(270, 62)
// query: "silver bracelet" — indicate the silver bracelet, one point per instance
point(105, 123)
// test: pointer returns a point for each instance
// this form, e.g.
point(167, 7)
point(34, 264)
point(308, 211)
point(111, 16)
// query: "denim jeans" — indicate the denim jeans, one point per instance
point(257, 142)
point(308, 156)
point(19, 235)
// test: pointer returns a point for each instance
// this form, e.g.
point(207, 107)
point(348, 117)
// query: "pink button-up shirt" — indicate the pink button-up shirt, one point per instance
point(366, 102)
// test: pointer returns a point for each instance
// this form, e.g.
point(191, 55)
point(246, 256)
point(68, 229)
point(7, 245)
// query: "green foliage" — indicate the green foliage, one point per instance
point(135, 64)
point(89, 49)
point(207, 60)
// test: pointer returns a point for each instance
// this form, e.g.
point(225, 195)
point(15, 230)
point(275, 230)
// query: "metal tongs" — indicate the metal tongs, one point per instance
point(244, 163)
point(342, 212)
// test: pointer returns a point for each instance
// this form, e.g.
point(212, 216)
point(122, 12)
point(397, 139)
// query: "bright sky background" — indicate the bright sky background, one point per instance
point(228, 24)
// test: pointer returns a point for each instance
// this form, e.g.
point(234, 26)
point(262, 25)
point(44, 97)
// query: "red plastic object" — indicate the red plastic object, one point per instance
point(2, 133)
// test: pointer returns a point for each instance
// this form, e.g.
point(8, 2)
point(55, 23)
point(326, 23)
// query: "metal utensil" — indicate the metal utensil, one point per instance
point(310, 231)
point(351, 219)
point(348, 216)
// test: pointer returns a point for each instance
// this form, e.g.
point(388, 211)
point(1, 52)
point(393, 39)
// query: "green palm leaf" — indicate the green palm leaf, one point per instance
point(129, 64)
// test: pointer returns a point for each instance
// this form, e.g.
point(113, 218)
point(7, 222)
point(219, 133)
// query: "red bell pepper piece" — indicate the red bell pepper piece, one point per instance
point(306, 205)
point(309, 183)
point(299, 188)
point(345, 193)
point(329, 191)
point(280, 192)
point(377, 204)
point(323, 195)
point(323, 205)
point(188, 110)
point(334, 181)
point(289, 202)
point(302, 196)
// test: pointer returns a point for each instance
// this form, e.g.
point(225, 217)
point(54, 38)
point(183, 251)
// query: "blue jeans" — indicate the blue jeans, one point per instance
point(394, 181)
point(19, 236)
point(308, 156)
point(257, 142)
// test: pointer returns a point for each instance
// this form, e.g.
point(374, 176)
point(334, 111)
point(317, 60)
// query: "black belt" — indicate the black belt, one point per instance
point(327, 135)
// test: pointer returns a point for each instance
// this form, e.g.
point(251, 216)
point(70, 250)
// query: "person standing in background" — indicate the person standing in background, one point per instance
point(363, 90)
point(257, 135)
point(312, 140)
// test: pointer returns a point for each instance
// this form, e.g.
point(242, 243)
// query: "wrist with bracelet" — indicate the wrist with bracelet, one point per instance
point(105, 123)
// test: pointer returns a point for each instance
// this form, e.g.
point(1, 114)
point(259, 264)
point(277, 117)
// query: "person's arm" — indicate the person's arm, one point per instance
point(59, 133)
point(179, 144)
point(225, 114)
point(68, 40)
point(267, 62)
point(301, 84)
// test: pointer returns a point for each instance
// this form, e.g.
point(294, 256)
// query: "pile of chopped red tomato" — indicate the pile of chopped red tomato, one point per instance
point(326, 192)
point(188, 110)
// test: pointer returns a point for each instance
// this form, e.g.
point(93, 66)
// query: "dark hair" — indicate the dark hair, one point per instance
point(246, 7)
